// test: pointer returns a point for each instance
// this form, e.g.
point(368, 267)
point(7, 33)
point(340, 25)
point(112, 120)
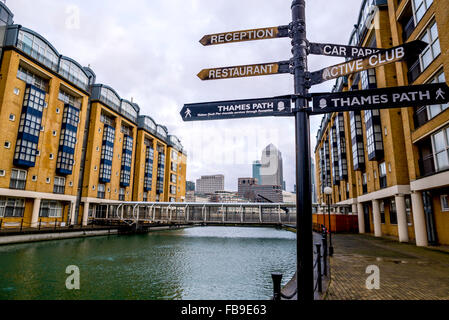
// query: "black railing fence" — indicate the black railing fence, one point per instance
point(321, 268)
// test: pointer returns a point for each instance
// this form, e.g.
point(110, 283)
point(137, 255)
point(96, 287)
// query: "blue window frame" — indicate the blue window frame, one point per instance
point(149, 158)
point(125, 174)
point(29, 127)
point(107, 152)
point(160, 174)
point(67, 140)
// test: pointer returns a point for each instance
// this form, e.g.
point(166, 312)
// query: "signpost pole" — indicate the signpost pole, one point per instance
point(303, 181)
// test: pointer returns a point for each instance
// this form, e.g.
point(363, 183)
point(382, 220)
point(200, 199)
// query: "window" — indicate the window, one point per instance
point(160, 174)
point(430, 36)
point(18, 179)
point(382, 175)
point(440, 144)
point(444, 202)
point(125, 174)
point(110, 98)
point(7, 144)
point(128, 110)
point(16, 91)
point(101, 191)
point(364, 183)
point(38, 49)
point(32, 79)
point(172, 189)
point(107, 151)
point(393, 214)
point(12, 117)
point(67, 140)
point(59, 186)
point(50, 209)
point(73, 73)
point(145, 196)
point(12, 207)
point(148, 179)
point(29, 127)
point(121, 194)
point(408, 209)
point(2, 173)
point(358, 152)
point(382, 211)
point(67, 98)
point(420, 8)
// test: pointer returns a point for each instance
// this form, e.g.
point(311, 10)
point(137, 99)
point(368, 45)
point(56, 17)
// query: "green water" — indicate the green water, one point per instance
point(201, 263)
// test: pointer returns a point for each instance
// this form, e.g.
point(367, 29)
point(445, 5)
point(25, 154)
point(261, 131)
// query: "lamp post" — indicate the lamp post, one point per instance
point(328, 192)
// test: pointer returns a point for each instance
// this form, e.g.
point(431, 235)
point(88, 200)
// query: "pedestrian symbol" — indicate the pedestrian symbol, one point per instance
point(440, 94)
point(188, 113)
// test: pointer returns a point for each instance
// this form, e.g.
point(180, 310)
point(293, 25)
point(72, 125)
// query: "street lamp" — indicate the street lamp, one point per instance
point(328, 192)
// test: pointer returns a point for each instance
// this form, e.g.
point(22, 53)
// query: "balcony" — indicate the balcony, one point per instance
point(420, 116)
point(408, 29)
point(413, 71)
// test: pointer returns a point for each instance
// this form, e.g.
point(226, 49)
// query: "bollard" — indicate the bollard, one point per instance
point(277, 277)
point(324, 244)
point(318, 257)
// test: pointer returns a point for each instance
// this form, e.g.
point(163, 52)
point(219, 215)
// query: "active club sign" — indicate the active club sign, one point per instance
point(393, 97)
point(244, 71)
point(245, 35)
point(277, 106)
point(375, 60)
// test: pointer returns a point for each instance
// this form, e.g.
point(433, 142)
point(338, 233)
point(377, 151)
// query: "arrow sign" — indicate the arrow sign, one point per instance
point(245, 35)
point(277, 106)
point(393, 97)
point(245, 71)
point(336, 50)
point(391, 55)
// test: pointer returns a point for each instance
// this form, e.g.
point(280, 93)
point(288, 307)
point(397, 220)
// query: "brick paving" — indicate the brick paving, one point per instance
point(407, 272)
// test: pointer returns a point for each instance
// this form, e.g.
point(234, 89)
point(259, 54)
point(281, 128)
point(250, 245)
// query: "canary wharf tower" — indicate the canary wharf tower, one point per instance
point(271, 166)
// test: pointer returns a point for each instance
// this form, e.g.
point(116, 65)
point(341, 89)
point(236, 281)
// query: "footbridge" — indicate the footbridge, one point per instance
point(193, 213)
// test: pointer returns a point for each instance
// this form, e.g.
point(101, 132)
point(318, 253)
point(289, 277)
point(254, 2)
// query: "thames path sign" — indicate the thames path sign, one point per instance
point(278, 106)
point(252, 70)
point(245, 35)
point(368, 62)
point(393, 97)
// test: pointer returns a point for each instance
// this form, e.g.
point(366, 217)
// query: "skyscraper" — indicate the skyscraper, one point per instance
point(271, 172)
point(256, 170)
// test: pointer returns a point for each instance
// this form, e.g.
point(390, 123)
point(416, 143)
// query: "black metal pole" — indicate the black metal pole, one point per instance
point(304, 234)
point(331, 248)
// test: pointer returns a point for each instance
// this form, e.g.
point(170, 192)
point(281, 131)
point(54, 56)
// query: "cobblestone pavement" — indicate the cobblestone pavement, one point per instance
point(406, 272)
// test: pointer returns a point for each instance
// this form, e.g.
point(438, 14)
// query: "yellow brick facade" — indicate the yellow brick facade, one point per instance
point(53, 177)
point(410, 201)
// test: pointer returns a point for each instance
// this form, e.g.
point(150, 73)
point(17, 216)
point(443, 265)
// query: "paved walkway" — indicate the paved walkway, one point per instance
point(406, 272)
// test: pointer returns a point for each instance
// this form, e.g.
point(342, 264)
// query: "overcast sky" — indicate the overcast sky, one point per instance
point(149, 50)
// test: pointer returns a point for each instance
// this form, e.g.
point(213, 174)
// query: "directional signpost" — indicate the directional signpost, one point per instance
point(278, 106)
point(363, 59)
point(393, 97)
